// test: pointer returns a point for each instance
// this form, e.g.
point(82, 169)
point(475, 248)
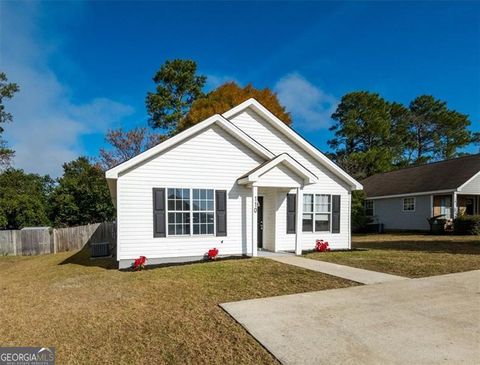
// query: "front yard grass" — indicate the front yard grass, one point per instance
point(165, 315)
point(410, 255)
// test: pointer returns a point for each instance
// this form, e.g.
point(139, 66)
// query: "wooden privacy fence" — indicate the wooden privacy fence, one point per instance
point(43, 240)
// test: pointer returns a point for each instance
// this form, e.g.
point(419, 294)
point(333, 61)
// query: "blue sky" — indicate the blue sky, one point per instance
point(85, 67)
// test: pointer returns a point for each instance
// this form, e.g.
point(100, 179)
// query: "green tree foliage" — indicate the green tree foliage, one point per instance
point(359, 220)
point(82, 195)
point(373, 135)
point(367, 133)
point(228, 96)
point(434, 131)
point(24, 199)
point(476, 139)
point(178, 86)
point(7, 91)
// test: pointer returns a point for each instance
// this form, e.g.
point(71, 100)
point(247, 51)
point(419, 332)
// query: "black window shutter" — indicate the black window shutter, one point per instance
point(159, 229)
point(335, 213)
point(221, 212)
point(291, 212)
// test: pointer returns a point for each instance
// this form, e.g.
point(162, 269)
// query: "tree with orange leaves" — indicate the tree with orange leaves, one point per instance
point(228, 96)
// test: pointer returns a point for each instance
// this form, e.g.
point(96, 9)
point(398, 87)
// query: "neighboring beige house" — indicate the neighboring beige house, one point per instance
point(404, 199)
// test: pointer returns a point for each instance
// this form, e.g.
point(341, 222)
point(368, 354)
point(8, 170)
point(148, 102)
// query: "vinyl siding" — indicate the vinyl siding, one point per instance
point(279, 176)
point(283, 241)
point(269, 221)
point(473, 186)
point(390, 213)
point(212, 159)
point(261, 130)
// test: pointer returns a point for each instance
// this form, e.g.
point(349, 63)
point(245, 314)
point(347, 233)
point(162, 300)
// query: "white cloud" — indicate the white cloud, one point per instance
point(311, 107)
point(47, 124)
point(214, 81)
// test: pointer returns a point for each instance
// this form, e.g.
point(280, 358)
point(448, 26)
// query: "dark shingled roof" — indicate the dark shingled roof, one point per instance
point(442, 175)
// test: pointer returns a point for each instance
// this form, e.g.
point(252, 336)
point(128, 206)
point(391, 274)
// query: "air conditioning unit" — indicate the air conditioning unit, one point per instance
point(100, 249)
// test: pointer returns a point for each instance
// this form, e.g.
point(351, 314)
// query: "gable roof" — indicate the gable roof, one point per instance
point(285, 159)
point(215, 119)
point(438, 176)
point(295, 137)
point(223, 122)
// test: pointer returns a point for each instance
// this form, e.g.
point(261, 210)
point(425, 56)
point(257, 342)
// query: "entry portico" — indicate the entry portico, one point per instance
point(277, 181)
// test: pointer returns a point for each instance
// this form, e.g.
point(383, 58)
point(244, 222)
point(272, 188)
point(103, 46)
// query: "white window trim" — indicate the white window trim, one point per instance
point(414, 204)
point(173, 236)
point(313, 213)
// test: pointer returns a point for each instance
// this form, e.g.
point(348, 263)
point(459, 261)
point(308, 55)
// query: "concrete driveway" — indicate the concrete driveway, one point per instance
point(420, 321)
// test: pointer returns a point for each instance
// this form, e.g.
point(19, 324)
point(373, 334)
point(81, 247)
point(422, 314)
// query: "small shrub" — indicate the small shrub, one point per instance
point(321, 246)
point(467, 224)
point(139, 263)
point(212, 254)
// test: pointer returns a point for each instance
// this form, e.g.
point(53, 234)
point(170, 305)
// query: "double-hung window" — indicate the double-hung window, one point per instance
point(178, 212)
point(203, 211)
point(445, 206)
point(317, 210)
point(190, 211)
point(409, 204)
point(369, 208)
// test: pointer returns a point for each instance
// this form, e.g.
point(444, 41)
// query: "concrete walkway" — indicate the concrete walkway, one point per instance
point(342, 271)
point(433, 320)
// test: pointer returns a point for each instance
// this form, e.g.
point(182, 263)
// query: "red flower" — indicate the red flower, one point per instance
point(212, 253)
point(139, 263)
point(321, 246)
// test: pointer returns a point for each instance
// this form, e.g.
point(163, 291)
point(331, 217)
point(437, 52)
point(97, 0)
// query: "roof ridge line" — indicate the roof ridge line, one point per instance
point(424, 164)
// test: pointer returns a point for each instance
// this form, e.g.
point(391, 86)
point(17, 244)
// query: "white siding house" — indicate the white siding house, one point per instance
point(240, 182)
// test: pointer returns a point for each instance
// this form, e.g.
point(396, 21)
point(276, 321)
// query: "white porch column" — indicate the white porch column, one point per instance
point(298, 230)
point(454, 205)
point(254, 220)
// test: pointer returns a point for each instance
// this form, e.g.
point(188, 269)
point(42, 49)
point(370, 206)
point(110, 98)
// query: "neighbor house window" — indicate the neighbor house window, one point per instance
point(317, 211)
point(369, 208)
point(446, 206)
point(408, 204)
point(190, 211)
point(203, 211)
point(178, 212)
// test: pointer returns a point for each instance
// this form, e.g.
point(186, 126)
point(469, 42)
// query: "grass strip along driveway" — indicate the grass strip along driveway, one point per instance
point(409, 255)
point(165, 315)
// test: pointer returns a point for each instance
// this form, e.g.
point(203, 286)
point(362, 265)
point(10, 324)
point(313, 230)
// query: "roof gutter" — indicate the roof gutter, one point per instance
point(412, 194)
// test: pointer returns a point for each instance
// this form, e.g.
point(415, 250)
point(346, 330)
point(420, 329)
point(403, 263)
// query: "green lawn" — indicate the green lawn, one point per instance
point(410, 255)
point(92, 314)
